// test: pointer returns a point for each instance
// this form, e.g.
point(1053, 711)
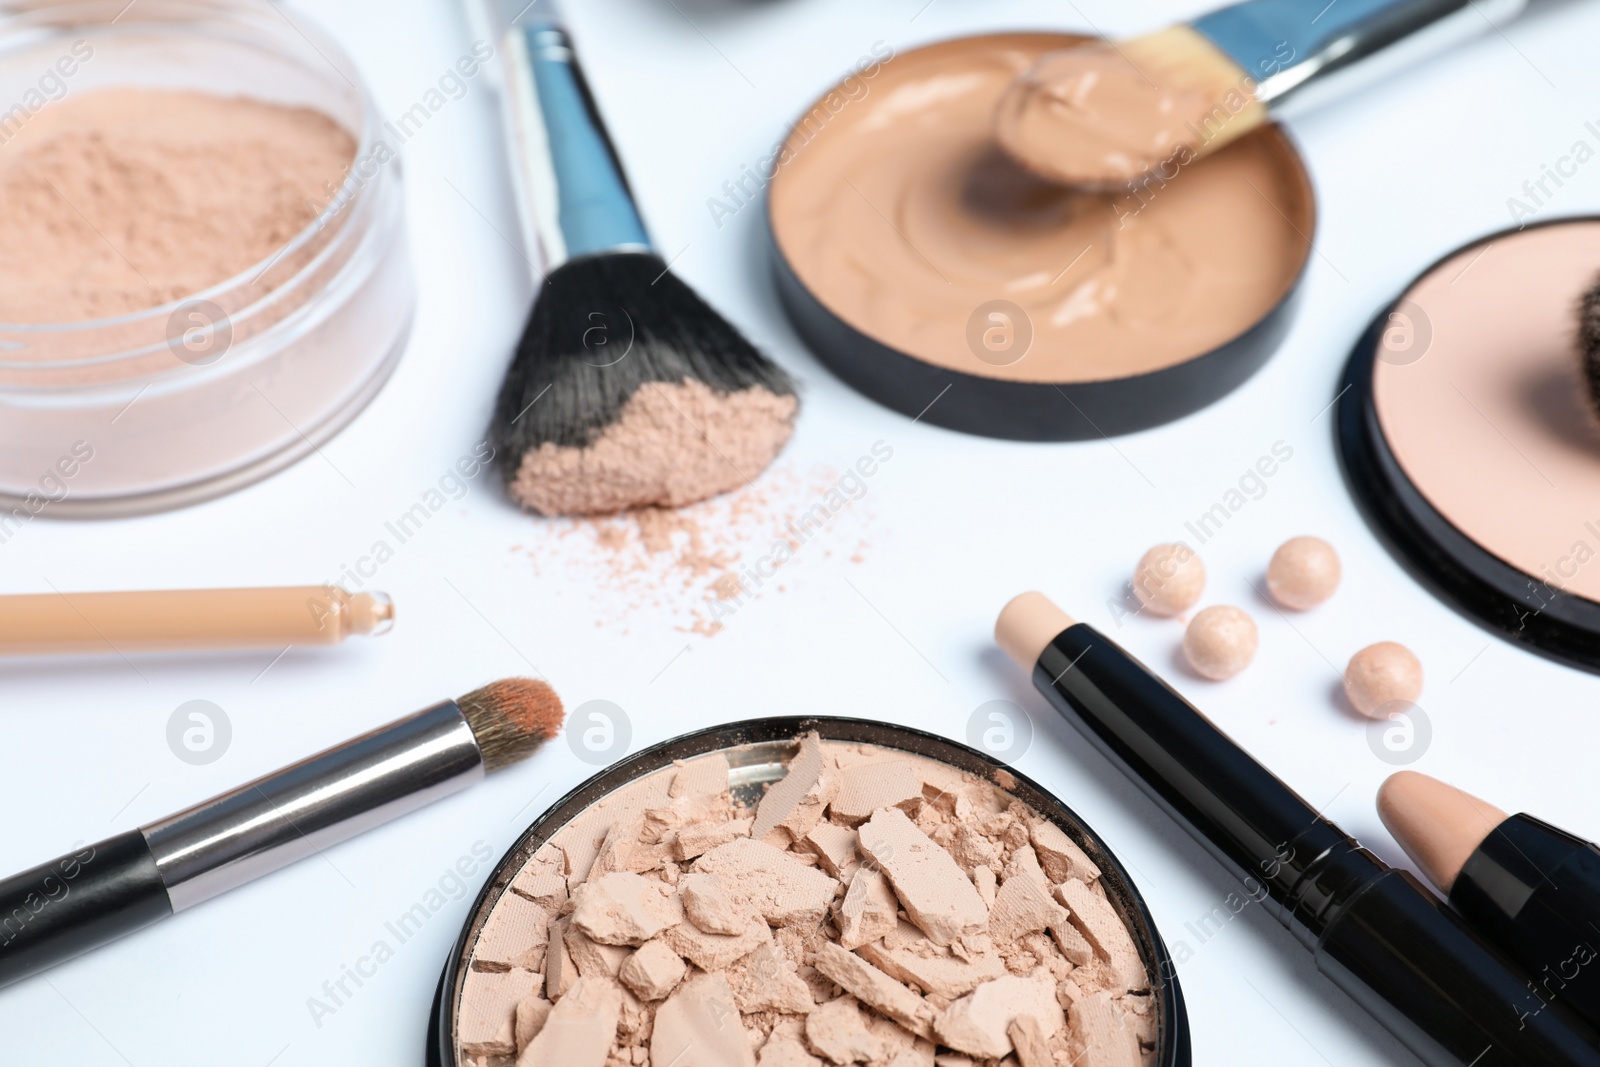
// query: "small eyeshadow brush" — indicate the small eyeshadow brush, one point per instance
point(98, 893)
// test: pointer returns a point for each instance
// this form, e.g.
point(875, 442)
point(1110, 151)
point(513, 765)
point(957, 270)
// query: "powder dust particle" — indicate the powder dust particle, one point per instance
point(691, 568)
point(118, 201)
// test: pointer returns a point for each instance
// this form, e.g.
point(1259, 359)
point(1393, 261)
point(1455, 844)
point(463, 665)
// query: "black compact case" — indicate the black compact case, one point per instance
point(756, 750)
point(1515, 605)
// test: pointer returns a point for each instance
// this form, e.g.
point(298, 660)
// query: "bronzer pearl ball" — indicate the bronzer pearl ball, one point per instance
point(1169, 579)
point(1220, 642)
point(1381, 673)
point(1303, 573)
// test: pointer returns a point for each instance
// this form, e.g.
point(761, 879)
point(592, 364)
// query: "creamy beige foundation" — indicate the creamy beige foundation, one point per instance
point(1480, 397)
point(1097, 115)
point(903, 216)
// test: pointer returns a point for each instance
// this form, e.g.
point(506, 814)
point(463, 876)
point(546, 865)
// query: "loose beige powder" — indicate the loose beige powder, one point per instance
point(673, 444)
point(120, 200)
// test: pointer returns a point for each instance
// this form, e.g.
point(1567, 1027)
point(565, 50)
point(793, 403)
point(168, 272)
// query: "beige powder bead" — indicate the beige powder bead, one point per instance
point(1220, 642)
point(1381, 673)
point(1304, 572)
point(1169, 579)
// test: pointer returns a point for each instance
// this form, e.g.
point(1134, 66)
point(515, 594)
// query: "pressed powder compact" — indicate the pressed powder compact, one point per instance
point(1469, 440)
point(922, 264)
point(828, 884)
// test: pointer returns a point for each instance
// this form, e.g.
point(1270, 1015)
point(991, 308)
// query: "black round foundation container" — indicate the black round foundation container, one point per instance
point(971, 205)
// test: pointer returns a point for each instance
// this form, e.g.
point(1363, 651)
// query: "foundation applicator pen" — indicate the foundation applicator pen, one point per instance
point(1375, 932)
point(1527, 886)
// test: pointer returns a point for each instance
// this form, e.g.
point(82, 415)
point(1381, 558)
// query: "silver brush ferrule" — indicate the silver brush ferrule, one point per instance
point(308, 806)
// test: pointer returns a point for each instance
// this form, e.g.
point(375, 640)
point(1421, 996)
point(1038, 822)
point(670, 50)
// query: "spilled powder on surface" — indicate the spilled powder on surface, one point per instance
point(673, 444)
point(691, 569)
point(118, 201)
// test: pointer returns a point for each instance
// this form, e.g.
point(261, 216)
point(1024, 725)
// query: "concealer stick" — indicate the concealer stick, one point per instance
point(181, 620)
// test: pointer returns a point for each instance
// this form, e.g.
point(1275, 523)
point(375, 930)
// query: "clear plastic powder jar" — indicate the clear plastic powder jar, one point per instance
point(200, 396)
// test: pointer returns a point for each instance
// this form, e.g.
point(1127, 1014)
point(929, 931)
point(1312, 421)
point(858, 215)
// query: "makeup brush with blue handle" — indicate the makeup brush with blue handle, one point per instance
point(1108, 113)
point(627, 390)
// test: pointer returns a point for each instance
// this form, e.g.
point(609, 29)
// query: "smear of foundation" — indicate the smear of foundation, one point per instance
point(692, 569)
point(118, 201)
point(673, 444)
point(1087, 115)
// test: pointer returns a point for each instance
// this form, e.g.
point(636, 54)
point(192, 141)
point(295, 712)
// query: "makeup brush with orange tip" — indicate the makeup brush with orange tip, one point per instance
point(1529, 887)
point(98, 893)
point(627, 390)
point(1109, 113)
point(188, 620)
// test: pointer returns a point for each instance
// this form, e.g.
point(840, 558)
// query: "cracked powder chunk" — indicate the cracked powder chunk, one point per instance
point(937, 896)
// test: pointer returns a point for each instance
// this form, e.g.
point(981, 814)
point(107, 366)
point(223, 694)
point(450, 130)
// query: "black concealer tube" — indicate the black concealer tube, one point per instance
point(1534, 890)
point(1444, 991)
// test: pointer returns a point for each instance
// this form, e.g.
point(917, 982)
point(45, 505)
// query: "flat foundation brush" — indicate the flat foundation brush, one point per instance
point(627, 390)
point(101, 892)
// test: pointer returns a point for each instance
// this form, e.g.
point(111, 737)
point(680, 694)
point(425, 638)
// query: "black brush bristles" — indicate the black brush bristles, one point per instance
point(601, 327)
point(1589, 343)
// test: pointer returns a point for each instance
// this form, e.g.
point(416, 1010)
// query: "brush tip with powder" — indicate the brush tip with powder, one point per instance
point(511, 718)
point(628, 391)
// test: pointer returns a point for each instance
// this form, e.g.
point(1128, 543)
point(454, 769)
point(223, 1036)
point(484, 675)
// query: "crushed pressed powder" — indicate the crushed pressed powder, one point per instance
point(981, 929)
point(693, 568)
point(673, 444)
point(120, 200)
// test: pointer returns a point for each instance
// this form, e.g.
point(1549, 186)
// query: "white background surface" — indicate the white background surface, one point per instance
point(693, 90)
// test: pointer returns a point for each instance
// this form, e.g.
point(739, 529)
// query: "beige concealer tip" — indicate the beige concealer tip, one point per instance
point(1438, 825)
point(371, 613)
point(1027, 625)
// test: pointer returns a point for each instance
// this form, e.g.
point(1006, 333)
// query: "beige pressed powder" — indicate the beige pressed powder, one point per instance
point(903, 217)
point(1479, 394)
point(873, 907)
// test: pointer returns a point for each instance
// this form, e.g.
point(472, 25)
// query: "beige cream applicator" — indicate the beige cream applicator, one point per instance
point(180, 620)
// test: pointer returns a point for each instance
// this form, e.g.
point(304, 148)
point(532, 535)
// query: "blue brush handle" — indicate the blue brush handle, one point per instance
point(594, 211)
point(1285, 44)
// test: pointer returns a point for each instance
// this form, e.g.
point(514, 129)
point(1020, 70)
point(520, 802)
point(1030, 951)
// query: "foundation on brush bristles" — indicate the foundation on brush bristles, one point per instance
point(1589, 344)
point(628, 390)
point(511, 718)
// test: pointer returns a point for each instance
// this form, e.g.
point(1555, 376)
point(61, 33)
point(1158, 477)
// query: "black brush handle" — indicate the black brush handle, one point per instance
point(80, 901)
